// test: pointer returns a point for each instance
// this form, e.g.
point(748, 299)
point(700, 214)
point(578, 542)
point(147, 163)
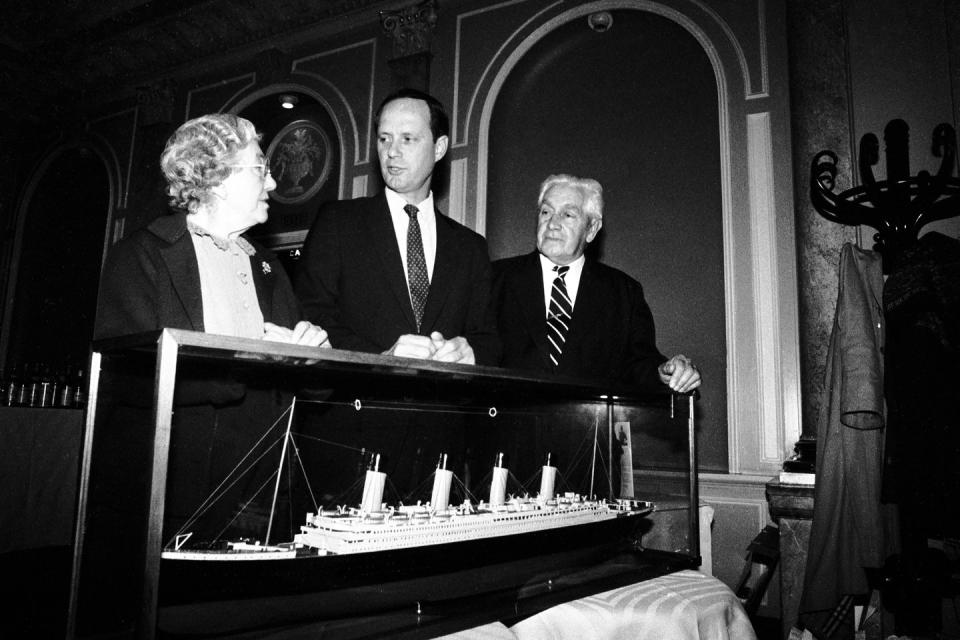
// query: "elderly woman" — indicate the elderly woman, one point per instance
point(194, 269)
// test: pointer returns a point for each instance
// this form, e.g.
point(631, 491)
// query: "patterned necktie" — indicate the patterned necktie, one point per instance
point(417, 278)
point(558, 315)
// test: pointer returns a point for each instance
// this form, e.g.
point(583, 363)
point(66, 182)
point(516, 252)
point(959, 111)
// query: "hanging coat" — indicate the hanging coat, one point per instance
point(848, 524)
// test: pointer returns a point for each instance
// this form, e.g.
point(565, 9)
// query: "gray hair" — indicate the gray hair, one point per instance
point(591, 189)
point(198, 155)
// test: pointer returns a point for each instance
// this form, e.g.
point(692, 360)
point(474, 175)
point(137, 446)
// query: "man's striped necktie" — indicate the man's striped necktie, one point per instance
point(558, 315)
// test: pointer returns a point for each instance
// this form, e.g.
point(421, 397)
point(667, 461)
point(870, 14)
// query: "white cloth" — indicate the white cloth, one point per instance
point(571, 280)
point(686, 605)
point(427, 217)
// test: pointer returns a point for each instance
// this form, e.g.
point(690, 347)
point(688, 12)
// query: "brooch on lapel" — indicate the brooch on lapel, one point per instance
point(266, 268)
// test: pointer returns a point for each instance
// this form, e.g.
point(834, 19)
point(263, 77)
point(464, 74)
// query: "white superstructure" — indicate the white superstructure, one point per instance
point(381, 529)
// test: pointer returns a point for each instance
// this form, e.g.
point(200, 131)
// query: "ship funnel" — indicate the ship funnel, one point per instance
point(548, 479)
point(440, 497)
point(373, 488)
point(498, 484)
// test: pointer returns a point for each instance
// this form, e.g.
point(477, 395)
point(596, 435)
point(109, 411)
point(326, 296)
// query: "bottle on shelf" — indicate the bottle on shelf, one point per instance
point(80, 390)
point(15, 388)
point(45, 386)
point(65, 391)
point(30, 385)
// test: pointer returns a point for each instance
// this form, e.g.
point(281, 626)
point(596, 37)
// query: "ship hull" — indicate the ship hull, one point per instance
point(229, 595)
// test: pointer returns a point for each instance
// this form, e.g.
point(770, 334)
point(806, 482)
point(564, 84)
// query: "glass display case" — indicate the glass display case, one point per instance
point(231, 484)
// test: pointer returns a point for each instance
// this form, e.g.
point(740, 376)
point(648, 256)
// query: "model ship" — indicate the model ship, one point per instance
point(374, 556)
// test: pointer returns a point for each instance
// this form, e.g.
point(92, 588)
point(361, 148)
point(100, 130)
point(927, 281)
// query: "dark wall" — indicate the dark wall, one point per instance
point(636, 108)
point(62, 245)
point(148, 190)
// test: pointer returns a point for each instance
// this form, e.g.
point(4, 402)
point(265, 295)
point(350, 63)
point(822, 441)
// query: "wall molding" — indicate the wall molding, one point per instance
point(777, 433)
point(457, 196)
point(124, 137)
point(362, 132)
point(224, 93)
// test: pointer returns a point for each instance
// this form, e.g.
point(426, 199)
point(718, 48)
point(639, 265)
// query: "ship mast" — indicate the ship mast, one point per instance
point(593, 459)
point(283, 456)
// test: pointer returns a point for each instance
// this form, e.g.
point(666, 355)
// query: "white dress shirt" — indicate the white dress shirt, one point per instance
point(571, 280)
point(427, 218)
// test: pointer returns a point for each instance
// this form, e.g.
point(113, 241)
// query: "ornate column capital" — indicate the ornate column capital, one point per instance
point(410, 28)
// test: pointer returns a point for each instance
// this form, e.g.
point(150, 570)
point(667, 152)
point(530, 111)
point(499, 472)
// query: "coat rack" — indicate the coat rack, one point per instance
point(899, 206)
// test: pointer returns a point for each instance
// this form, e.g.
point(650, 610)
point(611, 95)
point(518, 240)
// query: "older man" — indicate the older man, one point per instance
point(561, 313)
point(391, 274)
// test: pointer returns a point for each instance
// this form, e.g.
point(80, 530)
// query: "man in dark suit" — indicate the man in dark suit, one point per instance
point(391, 274)
point(561, 313)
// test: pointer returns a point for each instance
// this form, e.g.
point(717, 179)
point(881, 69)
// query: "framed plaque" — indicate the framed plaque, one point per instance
point(299, 157)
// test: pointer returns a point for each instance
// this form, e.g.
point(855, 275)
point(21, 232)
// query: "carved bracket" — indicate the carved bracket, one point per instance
point(410, 28)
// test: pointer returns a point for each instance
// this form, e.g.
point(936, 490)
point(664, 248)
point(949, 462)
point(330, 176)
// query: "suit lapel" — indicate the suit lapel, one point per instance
point(383, 240)
point(181, 262)
point(529, 293)
point(446, 266)
point(589, 297)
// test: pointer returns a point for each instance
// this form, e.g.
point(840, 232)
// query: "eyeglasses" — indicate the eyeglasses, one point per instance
point(264, 169)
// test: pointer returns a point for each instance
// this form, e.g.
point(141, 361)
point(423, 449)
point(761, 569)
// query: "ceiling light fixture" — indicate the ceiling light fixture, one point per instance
point(600, 21)
point(288, 101)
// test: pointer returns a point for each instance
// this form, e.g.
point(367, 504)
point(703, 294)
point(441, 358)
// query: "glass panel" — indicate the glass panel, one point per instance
point(276, 448)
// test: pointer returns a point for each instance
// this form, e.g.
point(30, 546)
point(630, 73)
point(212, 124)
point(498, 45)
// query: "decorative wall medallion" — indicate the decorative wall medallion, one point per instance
point(300, 159)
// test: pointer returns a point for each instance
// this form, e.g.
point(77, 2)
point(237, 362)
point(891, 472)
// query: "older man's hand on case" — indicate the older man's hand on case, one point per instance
point(452, 350)
point(413, 346)
point(679, 373)
point(303, 333)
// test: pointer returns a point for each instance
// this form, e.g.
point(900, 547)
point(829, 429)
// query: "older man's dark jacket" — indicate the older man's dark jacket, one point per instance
point(611, 337)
